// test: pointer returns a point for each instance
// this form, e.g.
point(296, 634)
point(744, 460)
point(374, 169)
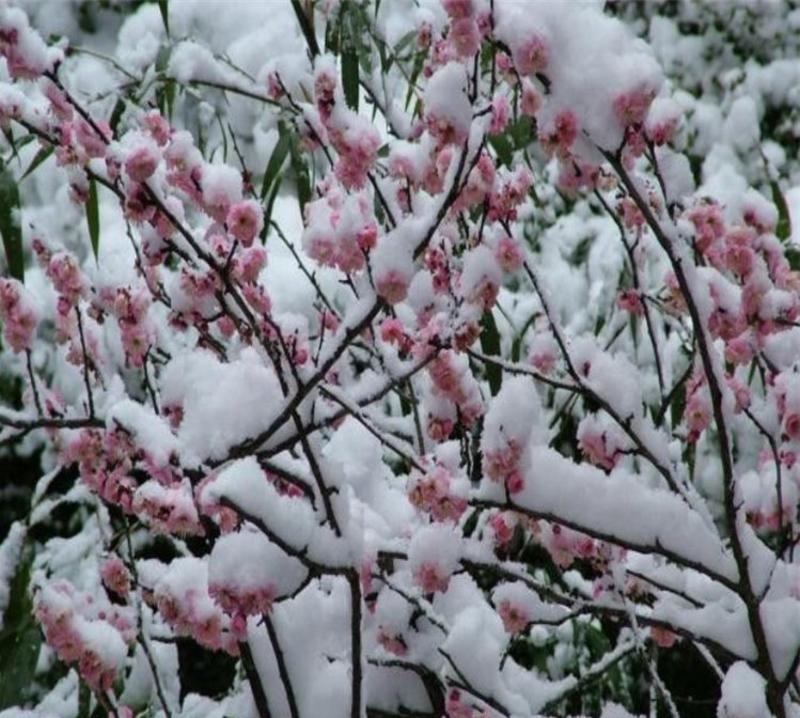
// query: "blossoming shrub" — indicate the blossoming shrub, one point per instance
point(408, 364)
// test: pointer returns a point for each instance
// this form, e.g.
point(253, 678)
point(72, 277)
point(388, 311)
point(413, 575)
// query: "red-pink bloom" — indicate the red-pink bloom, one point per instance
point(530, 99)
point(630, 301)
point(501, 111)
point(465, 37)
point(245, 221)
point(392, 286)
point(532, 56)
point(508, 254)
point(515, 618)
point(631, 107)
point(18, 314)
point(430, 578)
point(115, 576)
point(502, 526)
point(458, 9)
point(142, 162)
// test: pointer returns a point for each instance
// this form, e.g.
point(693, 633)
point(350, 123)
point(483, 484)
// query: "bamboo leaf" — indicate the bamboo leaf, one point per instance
point(276, 159)
point(301, 175)
point(783, 229)
point(490, 344)
point(306, 28)
point(10, 223)
point(164, 9)
point(41, 156)
point(20, 639)
point(350, 76)
point(93, 218)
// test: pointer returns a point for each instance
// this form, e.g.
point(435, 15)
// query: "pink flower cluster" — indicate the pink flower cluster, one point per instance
point(18, 314)
point(565, 545)
point(392, 642)
point(26, 54)
point(115, 575)
point(453, 380)
point(430, 577)
point(104, 461)
point(457, 707)
point(239, 603)
point(130, 307)
point(191, 612)
point(515, 618)
point(340, 230)
point(602, 445)
point(168, 509)
point(503, 465)
point(465, 32)
point(84, 630)
point(355, 139)
point(433, 494)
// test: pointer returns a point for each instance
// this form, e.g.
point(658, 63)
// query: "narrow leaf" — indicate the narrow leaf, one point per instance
point(9, 223)
point(163, 7)
point(93, 217)
point(783, 230)
point(350, 77)
point(490, 344)
point(301, 175)
point(268, 209)
point(276, 159)
point(116, 114)
point(41, 156)
point(306, 27)
point(20, 639)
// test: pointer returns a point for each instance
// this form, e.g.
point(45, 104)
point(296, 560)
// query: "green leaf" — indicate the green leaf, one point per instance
point(116, 114)
point(9, 223)
point(516, 346)
point(503, 149)
point(20, 639)
point(93, 217)
point(41, 156)
point(405, 41)
point(350, 76)
point(490, 344)
point(163, 7)
point(276, 159)
point(419, 63)
point(521, 132)
point(84, 700)
point(301, 175)
point(783, 230)
point(305, 27)
point(268, 209)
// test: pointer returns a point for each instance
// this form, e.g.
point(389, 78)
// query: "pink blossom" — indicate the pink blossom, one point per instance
point(532, 56)
point(631, 107)
point(392, 642)
point(458, 9)
point(465, 37)
point(501, 111)
point(530, 99)
point(142, 162)
point(508, 254)
point(18, 314)
point(392, 286)
point(697, 414)
point(630, 301)
point(115, 576)
point(430, 578)
point(515, 618)
point(502, 525)
point(244, 221)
